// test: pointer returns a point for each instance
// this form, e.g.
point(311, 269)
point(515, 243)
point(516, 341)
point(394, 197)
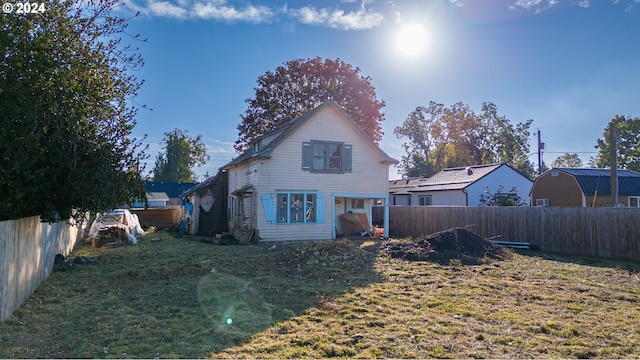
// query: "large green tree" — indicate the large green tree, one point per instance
point(440, 137)
point(628, 140)
point(65, 92)
point(301, 85)
point(181, 154)
point(505, 142)
point(567, 161)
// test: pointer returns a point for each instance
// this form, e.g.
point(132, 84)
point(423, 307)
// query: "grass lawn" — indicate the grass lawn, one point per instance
point(171, 297)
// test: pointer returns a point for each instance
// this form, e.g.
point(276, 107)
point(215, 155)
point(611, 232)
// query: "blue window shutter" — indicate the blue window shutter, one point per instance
point(307, 156)
point(320, 208)
point(346, 157)
point(269, 211)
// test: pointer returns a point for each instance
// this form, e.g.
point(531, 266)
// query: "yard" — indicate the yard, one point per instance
point(177, 297)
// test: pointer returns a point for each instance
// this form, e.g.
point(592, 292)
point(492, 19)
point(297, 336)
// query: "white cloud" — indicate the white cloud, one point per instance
point(538, 6)
point(219, 11)
point(167, 9)
point(226, 11)
point(584, 3)
point(338, 19)
point(211, 9)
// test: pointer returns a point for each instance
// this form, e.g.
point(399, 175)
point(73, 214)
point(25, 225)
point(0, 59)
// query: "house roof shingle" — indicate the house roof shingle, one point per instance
point(456, 178)
point(403, 186)
point(591, 180)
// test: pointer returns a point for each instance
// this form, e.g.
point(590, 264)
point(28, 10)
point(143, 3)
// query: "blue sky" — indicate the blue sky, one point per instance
point(570, 65)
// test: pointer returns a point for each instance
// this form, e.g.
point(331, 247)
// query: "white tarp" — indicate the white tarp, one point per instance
point(117, 217)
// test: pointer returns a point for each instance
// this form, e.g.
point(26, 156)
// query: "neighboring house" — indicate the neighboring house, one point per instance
point(160, 194)
point(585, 188)
point(295, 182)
point(163, 199)
point(173, 190)
point(464, 186)
point(157, 199)
point(400, 190)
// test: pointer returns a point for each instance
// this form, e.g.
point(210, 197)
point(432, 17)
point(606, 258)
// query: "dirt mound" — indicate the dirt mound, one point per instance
point(457, 244)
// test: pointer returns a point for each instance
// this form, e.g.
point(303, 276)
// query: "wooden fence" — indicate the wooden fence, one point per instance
point(160, 218)
point(601, 232)
point(27, 251)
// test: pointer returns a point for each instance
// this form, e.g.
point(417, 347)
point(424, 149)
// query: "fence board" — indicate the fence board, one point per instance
point(27, 251)
point(601, 232)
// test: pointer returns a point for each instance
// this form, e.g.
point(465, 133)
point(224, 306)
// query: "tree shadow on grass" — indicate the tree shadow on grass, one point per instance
point(179, 298)
point(268, 284)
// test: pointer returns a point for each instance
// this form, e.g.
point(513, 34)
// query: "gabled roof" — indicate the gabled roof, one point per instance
point(456, 178)
point(215, 180)
point(259, 150)
point(172, 189)
point(591, 180)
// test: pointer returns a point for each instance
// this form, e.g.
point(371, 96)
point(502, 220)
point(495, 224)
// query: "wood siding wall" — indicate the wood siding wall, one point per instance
point(283, 172)
point(27, 251)
point(601, 232)
point(560, 190)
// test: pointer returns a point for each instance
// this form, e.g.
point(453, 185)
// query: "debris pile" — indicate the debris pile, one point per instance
point(118, 234)
point(61, 263)
point(319, 256)
point(453, 245)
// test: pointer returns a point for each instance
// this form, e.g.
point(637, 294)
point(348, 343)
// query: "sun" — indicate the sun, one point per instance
point(411, 40)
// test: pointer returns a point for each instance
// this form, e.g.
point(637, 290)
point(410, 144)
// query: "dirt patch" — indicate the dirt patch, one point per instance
point(445, 247)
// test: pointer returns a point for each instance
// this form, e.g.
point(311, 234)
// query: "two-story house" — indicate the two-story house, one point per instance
point(295, 182)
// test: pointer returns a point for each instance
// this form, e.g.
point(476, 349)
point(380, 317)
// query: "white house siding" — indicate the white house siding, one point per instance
point(442, 198)
point(400, 199)
point(504, 176)
point(283, 171)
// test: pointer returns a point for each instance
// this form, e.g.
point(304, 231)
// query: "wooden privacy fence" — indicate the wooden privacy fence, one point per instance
point(160, 218)
point(27, 251)
point(601, 232)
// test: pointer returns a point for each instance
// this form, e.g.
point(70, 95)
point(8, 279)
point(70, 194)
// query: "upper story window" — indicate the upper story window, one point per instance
point(326, 156)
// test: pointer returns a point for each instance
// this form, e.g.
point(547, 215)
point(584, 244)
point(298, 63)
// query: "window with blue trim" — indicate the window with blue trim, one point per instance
point(296, 207)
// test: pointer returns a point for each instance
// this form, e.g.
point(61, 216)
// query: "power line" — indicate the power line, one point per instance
point(571, 152)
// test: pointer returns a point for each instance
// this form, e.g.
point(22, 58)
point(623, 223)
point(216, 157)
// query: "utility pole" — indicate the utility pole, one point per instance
point(614, 163)
point(540, 148)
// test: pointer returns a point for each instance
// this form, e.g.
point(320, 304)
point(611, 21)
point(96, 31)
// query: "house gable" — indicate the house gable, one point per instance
point(503, 179)
point(264, 146)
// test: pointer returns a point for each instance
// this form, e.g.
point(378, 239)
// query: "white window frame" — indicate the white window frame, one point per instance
point(422, 200)
point(637, 200)
point(542, 202)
